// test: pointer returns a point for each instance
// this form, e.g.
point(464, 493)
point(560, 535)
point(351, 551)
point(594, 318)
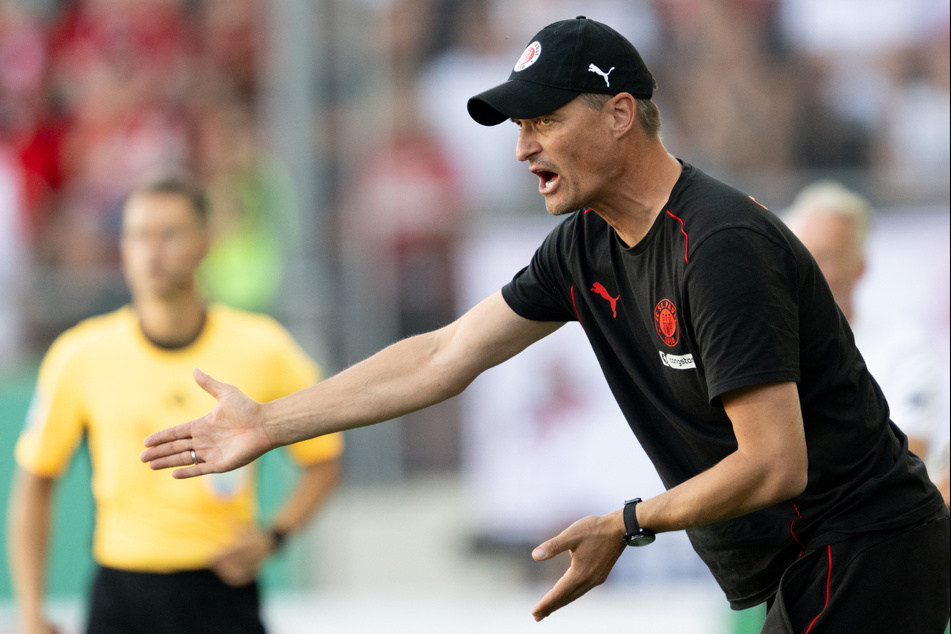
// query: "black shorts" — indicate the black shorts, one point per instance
point(193, 601)
point(895, 581)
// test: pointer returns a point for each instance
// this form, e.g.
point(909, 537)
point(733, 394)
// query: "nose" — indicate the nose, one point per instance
point(527, 146)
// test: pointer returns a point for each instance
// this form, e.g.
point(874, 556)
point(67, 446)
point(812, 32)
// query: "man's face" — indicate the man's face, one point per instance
point(832, 241)
point(163, 242)
point(567, 150)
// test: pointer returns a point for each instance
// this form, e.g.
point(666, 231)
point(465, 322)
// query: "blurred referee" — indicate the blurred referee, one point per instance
point(172, 556)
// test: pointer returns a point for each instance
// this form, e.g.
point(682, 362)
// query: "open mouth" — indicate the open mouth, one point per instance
point(546, 181)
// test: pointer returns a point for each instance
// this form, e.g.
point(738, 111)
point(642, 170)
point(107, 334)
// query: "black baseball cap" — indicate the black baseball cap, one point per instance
point(562, 61)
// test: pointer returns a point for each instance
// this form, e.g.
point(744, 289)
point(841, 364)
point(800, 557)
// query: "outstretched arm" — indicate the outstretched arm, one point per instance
point(404, 377)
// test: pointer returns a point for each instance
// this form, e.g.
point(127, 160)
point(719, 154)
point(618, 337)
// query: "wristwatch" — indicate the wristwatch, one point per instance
point(278, 537)
point(634, 533)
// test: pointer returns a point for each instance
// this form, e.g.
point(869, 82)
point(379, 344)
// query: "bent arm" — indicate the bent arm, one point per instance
point(769, 466)
point(29, 521)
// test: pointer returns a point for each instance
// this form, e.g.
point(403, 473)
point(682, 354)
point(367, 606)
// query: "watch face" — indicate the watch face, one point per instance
point(640, 539)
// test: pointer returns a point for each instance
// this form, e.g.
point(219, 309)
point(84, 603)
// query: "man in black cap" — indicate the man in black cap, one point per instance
point(719, 338)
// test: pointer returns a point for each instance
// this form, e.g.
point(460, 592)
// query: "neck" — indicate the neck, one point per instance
point(171, 323)
point(846, 308)
point(644, 186)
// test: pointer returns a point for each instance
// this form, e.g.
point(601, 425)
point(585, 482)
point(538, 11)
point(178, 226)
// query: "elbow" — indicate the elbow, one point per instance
point(793, 477)
point(794, 484)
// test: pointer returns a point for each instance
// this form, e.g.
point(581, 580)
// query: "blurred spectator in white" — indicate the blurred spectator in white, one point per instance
point(480, 160)
point(881, 71)
point(834, 223)
point(915, 144)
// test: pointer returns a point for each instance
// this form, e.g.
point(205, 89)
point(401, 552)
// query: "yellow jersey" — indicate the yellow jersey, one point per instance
point(104, 379)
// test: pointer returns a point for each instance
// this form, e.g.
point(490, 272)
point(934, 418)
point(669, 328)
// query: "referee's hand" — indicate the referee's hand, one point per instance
point(230, 436)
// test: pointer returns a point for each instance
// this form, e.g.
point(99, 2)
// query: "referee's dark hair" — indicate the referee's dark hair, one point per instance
point(177, 185)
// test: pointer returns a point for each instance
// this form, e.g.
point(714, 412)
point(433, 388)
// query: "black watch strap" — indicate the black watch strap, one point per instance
point(634, 533)
point(278, 537)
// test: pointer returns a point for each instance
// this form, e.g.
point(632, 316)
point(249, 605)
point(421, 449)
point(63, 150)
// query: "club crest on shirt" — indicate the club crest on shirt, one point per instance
point(665, 322)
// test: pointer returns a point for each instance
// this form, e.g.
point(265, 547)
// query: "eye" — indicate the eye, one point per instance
point(545, 120)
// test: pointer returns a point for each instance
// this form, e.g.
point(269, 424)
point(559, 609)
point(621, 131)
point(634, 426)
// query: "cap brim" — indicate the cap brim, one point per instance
point(517, 99)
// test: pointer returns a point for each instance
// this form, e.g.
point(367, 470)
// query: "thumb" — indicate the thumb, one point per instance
point(209, 384)
point(547, 550)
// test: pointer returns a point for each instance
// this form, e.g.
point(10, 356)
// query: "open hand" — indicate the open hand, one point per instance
point(594, 543)
point(230, 436)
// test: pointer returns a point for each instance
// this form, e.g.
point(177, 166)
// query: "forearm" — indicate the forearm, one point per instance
point(28, 518)
point(735, 486)
point(770, 464)
point(402, 378)
point(405, 377)
point(310, 494)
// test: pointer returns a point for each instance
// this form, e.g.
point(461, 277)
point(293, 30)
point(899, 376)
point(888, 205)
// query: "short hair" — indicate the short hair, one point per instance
point(648, 114)
point(831, 197)
point(177, 186)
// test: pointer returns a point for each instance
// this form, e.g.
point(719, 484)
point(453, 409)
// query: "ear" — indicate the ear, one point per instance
point(622, 107)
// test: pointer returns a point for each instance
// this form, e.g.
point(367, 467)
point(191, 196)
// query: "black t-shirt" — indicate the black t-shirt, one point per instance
point(720, 295)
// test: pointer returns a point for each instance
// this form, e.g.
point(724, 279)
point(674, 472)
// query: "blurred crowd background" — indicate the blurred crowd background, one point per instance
point(98, 94)
point(344, 171)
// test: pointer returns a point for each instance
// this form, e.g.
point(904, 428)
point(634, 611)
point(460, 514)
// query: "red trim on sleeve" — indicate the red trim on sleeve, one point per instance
point(683, 231)
point(575, 306)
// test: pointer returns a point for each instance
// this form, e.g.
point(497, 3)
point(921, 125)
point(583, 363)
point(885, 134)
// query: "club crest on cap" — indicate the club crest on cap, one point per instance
point(529, 56)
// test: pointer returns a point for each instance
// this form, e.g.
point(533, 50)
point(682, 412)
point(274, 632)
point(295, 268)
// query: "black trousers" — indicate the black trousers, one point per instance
point(891, 582)
point(125, 602)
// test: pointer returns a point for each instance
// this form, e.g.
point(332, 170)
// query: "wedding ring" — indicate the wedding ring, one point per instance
point(194, 457)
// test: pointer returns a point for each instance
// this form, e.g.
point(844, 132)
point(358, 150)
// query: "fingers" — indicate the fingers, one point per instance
point(159, 452)
point(209, 384)
point(594, 549)
point(557, 597)
point(552, 547)
point(545, 551)
point(201, 468)
point(169, 435)
point(234, 572)
point(567, 589)
point(177, 453)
